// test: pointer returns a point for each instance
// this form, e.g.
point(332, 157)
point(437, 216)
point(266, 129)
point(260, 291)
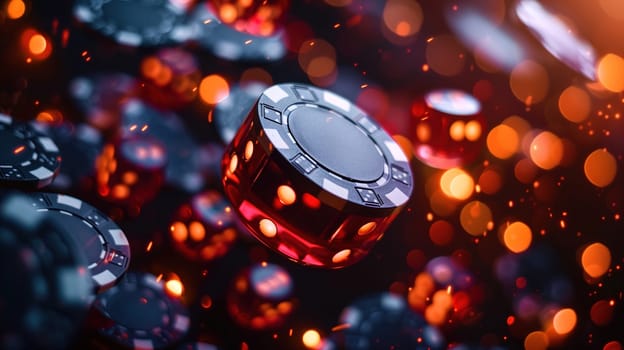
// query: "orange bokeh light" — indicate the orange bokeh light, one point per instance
point(517, 237)
point(457, 184)
point(15, 9)
point(564, 321)
point(574, 104)
point(179, 232)
point(546, 150)
point(37, 44)
point(213, 89)
point(174, 287)
point(503, 141)
point(600, 168)
point(311, 339)
point(611, 72)
point(596, 259)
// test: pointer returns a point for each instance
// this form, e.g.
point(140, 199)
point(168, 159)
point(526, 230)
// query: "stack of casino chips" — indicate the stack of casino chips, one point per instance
point(164, 22)
point(62, 257)
point(45, 284)
point(78, 257)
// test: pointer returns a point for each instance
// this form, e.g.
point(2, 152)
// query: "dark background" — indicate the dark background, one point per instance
point(364, 56)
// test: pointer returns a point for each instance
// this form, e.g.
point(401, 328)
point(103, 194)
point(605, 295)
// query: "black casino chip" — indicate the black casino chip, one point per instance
point(46, 288)
point(133, 22)
point(385, 321)
point(102, 241)
point(336, 145)
point(138, 314)
point(28, 159)
point(99, 97)
point(230, 44)
point(230, 113)
point(80, 144)
point(184, 167)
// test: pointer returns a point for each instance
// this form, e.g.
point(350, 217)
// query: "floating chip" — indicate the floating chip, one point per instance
point(103, 242)
point(200, 22)
point(497, 46)
point(130, 172)
point(448, 128)
point(204, 229)
point(261, 297)
point(79, 145)
point(314, 177)
point(384, 321)
point(558, 38)
point(28, 159)
point(100, 97)
point(133, 22)
point(46, 289)
point(335, 145)
point(230, 113)
point(138, 314)
point(184, 167)
point(170, 78)
point(228, 43)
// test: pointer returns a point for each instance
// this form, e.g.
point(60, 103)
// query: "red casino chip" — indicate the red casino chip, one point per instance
point(204, 229)
point(314, 177)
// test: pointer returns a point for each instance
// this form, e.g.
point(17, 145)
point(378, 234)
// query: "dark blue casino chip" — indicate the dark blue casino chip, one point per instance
point(100, 97)
point(28, 159)
point(385, 321)
point(185, 165)
point(79, 144)
point(145, 152)
point(133, 22)
point(138, 314)
point(230, 44)
point(105, 245)
point(46, 288)
point(230, 113)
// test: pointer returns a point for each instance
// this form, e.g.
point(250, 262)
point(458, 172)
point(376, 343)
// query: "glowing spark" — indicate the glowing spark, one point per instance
point(341, 327)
